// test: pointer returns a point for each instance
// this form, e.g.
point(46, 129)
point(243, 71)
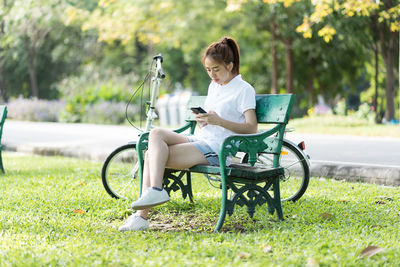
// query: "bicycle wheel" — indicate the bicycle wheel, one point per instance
point(120, 175)
point(297, 172)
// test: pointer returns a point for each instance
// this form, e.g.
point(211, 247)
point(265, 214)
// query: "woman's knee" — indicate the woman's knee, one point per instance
point(157, 133)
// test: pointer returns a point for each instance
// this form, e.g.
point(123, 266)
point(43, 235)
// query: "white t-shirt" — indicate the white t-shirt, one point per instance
point(229, 101)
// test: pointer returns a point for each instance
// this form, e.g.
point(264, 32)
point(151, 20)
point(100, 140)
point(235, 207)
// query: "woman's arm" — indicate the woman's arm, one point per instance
point(248, 127)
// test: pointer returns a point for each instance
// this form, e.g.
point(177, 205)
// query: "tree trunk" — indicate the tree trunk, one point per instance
point(376, 96)
point(388, 41)
point(31, 66)
point(274, 56)
point(311, 81)
point(2, 68)
point(3, 82)
point(289, 65)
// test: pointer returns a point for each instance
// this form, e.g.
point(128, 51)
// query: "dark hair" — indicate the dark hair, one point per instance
point(226, 51)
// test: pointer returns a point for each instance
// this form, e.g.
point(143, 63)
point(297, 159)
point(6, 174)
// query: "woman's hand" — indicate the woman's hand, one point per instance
point(248, 127)
point(208, 118)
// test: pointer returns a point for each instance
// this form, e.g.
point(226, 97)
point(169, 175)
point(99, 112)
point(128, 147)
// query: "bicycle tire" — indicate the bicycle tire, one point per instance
point(297, 172)
point(118, 174)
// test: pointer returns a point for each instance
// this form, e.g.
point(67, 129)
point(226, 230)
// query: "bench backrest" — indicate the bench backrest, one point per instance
point(269, 108)
point(274, 108)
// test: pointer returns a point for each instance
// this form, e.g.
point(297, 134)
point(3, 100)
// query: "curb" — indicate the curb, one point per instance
point(71, 152)
point(376, 174)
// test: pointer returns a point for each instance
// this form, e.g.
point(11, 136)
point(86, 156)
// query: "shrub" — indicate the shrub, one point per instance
point(107, 112)
point(35, 109)
point(340, 108)
point(364, 112)
point(94, 86)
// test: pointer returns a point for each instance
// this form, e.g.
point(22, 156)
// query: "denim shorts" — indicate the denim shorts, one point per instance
point(204, 148)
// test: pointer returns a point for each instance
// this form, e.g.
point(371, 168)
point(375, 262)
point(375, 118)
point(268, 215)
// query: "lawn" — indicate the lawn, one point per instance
point(347, 125)
point(56, 212)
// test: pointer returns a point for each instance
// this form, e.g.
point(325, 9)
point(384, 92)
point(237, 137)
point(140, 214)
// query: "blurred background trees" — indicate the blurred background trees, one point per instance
point(84, 52)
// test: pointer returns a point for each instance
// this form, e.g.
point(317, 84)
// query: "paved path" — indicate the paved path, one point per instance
point(351, 149)
point(344, 157)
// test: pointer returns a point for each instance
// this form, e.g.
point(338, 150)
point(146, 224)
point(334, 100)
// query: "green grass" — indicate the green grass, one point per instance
point(331, 224)
point(347, 125)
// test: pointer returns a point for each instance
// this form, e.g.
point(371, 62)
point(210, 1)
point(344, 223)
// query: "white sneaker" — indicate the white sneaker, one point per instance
point(150, 198)
point(134, 223)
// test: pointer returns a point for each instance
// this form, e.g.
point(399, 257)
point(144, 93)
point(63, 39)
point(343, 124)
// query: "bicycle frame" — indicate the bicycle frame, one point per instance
point(156, 77)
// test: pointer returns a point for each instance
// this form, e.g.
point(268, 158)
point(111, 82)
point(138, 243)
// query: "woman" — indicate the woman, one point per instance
point(230, 106)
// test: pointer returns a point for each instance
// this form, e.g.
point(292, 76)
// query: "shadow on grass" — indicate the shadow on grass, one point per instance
point(307, 213)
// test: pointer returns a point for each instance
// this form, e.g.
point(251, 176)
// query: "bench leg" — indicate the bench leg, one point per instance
point(189, 186)
point(222, 212)
point(277, 199)
point(1, 163)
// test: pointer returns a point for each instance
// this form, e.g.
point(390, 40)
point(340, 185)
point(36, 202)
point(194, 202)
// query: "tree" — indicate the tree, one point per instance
point(29, 23)
point(3, 13)
point(313, 66)
point(383, 19)
point(163, 25)
point(280, 20)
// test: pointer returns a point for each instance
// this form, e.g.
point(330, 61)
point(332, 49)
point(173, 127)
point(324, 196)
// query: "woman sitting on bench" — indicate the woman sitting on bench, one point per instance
point(230, 106)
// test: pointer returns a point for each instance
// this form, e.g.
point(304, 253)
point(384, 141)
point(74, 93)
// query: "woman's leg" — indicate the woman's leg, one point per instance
point(168, 146)
point(146, 183)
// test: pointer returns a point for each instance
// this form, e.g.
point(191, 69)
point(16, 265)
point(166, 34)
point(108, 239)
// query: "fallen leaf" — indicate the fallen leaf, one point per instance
point(370, 251)
point(243, 255)
point(385, 198)
point(267, 248)
point(325, 215)
point(312, 263)
point(344, 201)
point(79, 211)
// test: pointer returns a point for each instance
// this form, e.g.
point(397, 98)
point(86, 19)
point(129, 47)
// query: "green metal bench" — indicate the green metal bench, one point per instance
point(3, 116)
point(249, 182)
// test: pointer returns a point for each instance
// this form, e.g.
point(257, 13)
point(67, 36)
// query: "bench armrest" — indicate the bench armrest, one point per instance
point(189, 125)
point(252, 144)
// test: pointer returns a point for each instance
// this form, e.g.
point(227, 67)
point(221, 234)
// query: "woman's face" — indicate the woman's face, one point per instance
point(219, 72)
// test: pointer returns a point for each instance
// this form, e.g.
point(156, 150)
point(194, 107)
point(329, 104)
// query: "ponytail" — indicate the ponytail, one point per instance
point(226, 51)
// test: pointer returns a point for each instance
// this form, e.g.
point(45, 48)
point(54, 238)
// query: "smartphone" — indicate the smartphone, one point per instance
point(198, 110)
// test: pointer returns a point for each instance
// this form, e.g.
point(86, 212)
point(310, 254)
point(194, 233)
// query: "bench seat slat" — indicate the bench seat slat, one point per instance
point(241, 170)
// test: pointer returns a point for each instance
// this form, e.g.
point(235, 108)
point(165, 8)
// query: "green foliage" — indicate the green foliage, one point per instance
point(364, 111)
point(340, 108)
point(125, 34)
point(94, 86)
point(56, 212)
point(109, 112)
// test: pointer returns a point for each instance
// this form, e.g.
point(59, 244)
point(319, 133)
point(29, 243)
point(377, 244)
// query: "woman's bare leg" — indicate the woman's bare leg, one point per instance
point(159, 152)
point(167, 148)
point(146, 184)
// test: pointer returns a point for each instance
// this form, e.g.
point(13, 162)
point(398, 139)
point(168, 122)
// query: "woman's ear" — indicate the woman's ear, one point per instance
point(230, 66)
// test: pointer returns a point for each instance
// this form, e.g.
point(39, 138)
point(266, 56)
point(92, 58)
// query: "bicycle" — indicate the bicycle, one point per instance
point(120, 169)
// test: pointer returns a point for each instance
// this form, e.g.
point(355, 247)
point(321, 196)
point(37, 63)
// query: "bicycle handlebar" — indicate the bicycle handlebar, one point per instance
point(159, 60)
